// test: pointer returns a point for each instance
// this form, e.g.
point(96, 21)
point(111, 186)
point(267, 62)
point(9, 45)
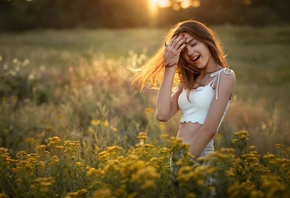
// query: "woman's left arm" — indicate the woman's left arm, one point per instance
point(208, 130)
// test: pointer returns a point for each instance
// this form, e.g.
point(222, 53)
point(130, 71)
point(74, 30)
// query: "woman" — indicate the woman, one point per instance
point(192, 56)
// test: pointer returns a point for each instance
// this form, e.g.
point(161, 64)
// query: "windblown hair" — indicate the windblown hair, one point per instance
point(186, 73)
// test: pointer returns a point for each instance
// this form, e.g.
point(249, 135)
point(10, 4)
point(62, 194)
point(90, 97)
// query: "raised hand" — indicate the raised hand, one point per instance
point(173, 50)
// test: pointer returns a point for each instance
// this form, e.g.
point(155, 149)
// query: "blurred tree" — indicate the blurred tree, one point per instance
point(27, 14)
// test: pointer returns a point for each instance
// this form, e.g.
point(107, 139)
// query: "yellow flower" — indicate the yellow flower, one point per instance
point(200, 160)
point(73, 194)
point(83, 192)
point(164, 136)
point(32, 187)
point(148, 184)
point(257, 194)
point(142, 136)
point(279, 146)
point(252, 148)
point(3, 195)
point(162, 126)
point(106, 123)
point(164, 151)
point(59, 147)
point(93, 122)
point(148, 110)
point(190, 195)
point(200, 182)
point(149, 146)
point(45, 183)
point(43, 189)
point(234, 141)
point(230, 173)
point(79, 164)
point(133, 195)
point(90, 130)
point(102, 193)
point(40, 148)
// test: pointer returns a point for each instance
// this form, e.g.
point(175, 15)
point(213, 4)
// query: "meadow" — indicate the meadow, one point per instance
point(73, 125)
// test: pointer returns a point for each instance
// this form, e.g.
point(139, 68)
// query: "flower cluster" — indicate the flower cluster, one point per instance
point(58, 170)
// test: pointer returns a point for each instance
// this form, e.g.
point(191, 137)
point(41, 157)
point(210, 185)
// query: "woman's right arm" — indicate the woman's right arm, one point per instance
point(167, 104)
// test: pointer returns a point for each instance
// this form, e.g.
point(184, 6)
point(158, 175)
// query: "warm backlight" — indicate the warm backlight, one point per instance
point(155, 4)
point(163, 3)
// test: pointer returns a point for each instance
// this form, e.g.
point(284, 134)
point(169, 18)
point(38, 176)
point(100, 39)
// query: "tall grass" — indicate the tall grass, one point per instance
point(58, 82)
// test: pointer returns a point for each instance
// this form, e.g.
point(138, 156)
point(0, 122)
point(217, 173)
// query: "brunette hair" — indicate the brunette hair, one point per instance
point(186, 73)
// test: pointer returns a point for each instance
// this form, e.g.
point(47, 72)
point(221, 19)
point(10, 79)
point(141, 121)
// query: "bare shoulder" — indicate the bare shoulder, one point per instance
point(228, 76)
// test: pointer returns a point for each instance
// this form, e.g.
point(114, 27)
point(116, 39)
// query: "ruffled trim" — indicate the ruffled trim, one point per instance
point(182, 122)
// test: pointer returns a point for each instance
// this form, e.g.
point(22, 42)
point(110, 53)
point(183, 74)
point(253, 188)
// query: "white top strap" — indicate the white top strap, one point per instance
point(216, 76)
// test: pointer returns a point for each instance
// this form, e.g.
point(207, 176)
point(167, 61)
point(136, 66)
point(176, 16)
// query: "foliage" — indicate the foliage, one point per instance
point(74, 109)
point(60, 169)
point(28, 14)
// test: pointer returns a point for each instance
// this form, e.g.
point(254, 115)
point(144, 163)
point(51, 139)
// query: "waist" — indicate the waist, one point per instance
point(186, 131)
point(208, 147)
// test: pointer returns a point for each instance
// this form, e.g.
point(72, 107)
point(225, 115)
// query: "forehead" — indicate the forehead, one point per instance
point(188, 37)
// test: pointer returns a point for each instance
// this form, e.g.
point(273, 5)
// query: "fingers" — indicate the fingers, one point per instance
point(176, 42)
point(181, 47)
point(179, 41)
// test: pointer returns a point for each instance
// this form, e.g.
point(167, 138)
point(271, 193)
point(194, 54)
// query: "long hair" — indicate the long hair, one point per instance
point(186, 73)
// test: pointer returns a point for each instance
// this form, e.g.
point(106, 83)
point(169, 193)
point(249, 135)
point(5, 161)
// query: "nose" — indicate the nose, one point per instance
point(189, 51)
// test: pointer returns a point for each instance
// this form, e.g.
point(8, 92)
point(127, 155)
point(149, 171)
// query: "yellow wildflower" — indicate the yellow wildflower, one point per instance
point(3, 195)
point(106, 123)
point(164, 136)
point(102, 193)
point(257, 194)
point(148, 110)
point(93, 122)
point(252, 148)
point(142, 136)
point(133, 195)
point(43, 189)
point(83, 192)
point(279, 146)
point(72, 194)
point(190, 195)
point(148, 184)
point(200, 182)
point(59, 147)
point(234, 141)
point(200, 160)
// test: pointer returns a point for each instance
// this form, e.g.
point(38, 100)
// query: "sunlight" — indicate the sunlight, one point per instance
point(177, 4)
point(196, 3)
point(154, 4)
point(163, 3)
point(152, 7)
point(186, 4)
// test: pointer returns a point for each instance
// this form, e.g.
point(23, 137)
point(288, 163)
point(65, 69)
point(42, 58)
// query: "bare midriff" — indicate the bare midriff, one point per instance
point(187, 130)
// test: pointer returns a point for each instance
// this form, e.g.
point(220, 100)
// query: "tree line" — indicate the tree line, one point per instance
point(18, 15)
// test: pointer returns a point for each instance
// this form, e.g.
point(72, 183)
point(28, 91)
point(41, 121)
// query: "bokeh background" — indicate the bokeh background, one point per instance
point(63, 69)
point(28, 14)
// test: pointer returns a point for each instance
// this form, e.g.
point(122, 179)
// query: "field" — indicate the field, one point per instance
point(71, 91)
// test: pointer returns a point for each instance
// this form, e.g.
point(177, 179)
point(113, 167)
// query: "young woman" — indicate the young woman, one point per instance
point(193, 57)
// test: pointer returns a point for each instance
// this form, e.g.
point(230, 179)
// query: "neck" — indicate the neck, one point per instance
point(211, 69)
point(212, 65)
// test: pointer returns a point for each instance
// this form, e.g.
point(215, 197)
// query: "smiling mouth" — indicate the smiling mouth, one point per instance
point(196, 58)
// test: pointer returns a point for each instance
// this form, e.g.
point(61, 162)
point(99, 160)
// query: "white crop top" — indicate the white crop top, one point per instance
point(201, 98)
